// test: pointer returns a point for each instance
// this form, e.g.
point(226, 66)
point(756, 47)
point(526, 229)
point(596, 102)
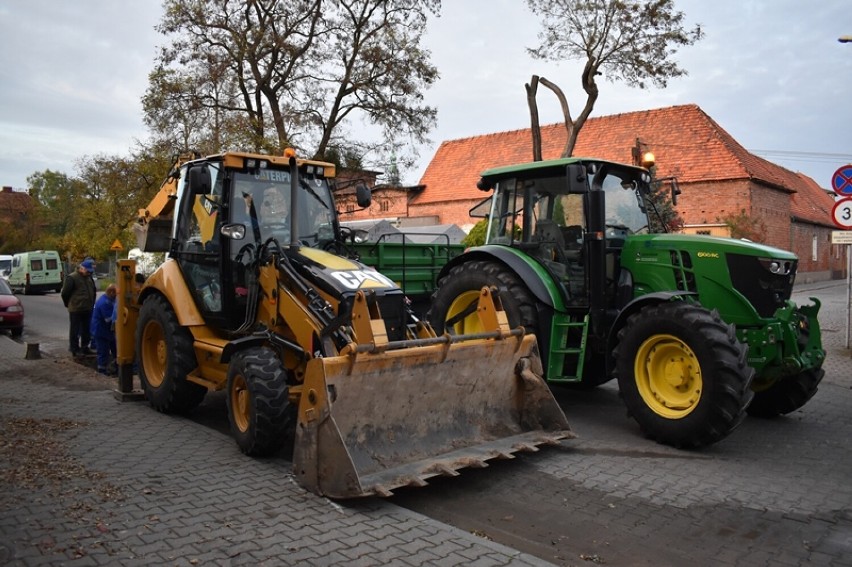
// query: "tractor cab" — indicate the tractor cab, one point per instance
point(230, 215)
point(571, 215)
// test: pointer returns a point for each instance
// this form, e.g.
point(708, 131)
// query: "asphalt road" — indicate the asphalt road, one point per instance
point(776, 492)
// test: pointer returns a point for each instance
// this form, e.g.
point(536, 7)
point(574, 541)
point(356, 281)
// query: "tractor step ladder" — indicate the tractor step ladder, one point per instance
point(564, 343)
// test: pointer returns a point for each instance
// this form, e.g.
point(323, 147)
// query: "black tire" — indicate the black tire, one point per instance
point(17, 332)
point(680, 341)
point(165, 356)
point(262, 418)
point(462, 285)
point(786, 394)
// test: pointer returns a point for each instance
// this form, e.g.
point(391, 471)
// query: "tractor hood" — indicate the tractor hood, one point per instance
point(710, 245)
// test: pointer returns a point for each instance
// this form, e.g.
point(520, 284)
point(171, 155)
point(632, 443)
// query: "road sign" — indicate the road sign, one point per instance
point(841, 181)
point(116, 246)
point(841, 214)
point(841, 236)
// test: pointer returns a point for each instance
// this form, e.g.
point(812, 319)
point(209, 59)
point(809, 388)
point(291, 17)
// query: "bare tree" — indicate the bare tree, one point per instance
point(266, 74)
point(632, 41)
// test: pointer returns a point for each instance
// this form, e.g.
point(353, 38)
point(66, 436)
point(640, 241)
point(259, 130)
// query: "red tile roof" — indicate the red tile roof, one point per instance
point(687, 144)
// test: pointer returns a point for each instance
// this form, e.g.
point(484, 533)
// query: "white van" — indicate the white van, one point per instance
point(5, 265)
point(36, 271)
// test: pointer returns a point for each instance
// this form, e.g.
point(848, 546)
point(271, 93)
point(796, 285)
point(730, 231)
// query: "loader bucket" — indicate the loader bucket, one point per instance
point(373, 422)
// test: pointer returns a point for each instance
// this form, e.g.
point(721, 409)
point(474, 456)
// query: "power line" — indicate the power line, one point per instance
point(814, 157)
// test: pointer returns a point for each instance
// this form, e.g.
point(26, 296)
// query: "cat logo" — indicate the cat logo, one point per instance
point(708, 255)
point(355, 279)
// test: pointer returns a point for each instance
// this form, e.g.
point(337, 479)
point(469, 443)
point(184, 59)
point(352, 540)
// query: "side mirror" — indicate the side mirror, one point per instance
point(675, 192)
point(234, 231)
point(199, 180)
point(576, 178)
point(363, 195)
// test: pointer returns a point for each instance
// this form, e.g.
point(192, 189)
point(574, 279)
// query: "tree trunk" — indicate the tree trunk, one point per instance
point(535, 127)
point(570, 127)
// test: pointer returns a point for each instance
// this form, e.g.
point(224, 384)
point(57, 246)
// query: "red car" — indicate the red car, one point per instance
point(11, 310)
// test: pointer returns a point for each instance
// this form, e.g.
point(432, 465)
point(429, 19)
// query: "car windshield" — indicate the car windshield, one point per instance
point(4, 288)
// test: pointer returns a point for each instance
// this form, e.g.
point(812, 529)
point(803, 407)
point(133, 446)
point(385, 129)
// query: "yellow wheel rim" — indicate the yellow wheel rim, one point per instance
point(471, 323)
point(668, 376)
point(154, 353)
point(240, 403)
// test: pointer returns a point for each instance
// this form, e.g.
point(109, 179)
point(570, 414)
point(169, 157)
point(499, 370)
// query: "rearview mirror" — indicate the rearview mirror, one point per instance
point(363, 195)
point(675, 192)
point(576, 178)
point(199, 180)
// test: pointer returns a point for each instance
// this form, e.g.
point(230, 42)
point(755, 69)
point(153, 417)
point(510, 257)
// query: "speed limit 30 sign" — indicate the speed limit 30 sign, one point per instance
point(841, 214)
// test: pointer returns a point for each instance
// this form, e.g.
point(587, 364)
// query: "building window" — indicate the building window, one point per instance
point(705, 232)
point(350, 208)
point(384, 206)
point(814, 251)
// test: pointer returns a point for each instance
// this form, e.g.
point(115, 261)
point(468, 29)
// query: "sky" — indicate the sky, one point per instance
point(770, 72)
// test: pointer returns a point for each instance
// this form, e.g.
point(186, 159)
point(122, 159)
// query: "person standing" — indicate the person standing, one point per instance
point(78, 295)
point(103, 332)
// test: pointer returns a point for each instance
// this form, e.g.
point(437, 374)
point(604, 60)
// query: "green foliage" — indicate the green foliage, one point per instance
point(476, 236)
point(83, 215)
point(743, 225)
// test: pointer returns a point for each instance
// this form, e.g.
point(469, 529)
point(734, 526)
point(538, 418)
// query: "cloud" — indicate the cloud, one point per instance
point(771, 72)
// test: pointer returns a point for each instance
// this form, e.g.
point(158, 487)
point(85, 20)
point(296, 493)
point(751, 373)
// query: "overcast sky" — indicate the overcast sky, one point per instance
point(770, 72)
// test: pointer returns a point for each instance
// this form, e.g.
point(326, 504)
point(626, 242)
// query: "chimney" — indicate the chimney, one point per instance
point(7, 189)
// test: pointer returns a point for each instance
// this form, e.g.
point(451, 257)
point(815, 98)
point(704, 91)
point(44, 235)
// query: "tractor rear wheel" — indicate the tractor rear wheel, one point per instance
point(165, 356)
point(786, 394)
point(457, 294)
point(262, 418)
point(682, 374)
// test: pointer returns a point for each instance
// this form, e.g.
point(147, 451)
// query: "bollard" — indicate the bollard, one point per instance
point(125, 391)
point(33, 352)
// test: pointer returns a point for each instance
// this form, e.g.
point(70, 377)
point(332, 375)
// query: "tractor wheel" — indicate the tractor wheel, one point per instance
point(262, 418)
point(165, 357)
point(460, 289)
point(786, 394)
point(682, 374)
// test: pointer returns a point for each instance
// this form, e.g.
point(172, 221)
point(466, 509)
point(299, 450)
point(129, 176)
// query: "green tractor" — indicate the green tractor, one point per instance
point(698, 330)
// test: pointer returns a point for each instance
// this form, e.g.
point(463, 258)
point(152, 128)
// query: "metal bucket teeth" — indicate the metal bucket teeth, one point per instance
point(400, 417)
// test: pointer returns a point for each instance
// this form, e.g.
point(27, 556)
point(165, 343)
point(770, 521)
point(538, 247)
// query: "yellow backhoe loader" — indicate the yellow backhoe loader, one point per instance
point(316, 352)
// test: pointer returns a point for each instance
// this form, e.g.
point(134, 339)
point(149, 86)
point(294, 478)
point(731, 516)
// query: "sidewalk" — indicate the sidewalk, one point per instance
point(88, 480)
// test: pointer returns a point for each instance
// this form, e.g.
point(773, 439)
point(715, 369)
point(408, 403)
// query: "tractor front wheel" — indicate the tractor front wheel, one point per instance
point(166, 356)
point(262, 418)
point(786, 394)
point(454, 301)
point(682, 374)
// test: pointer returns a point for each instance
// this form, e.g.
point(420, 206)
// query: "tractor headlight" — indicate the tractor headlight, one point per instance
point(775, 266)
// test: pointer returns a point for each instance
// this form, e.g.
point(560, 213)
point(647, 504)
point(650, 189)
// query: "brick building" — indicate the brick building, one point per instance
point(717, 176)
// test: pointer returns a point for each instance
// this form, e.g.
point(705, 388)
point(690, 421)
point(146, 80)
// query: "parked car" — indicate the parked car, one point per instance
point(11, 310)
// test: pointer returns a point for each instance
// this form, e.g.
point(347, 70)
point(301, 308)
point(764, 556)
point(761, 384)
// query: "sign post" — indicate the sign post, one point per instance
point(841, 214)
point(116, 247)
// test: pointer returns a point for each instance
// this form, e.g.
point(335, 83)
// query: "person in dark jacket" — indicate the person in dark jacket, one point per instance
point(78, 295)
point(103, 330)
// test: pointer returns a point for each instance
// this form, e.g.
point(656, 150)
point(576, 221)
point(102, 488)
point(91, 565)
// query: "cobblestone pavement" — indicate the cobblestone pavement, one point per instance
point(776, 492)
point(87, 480)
